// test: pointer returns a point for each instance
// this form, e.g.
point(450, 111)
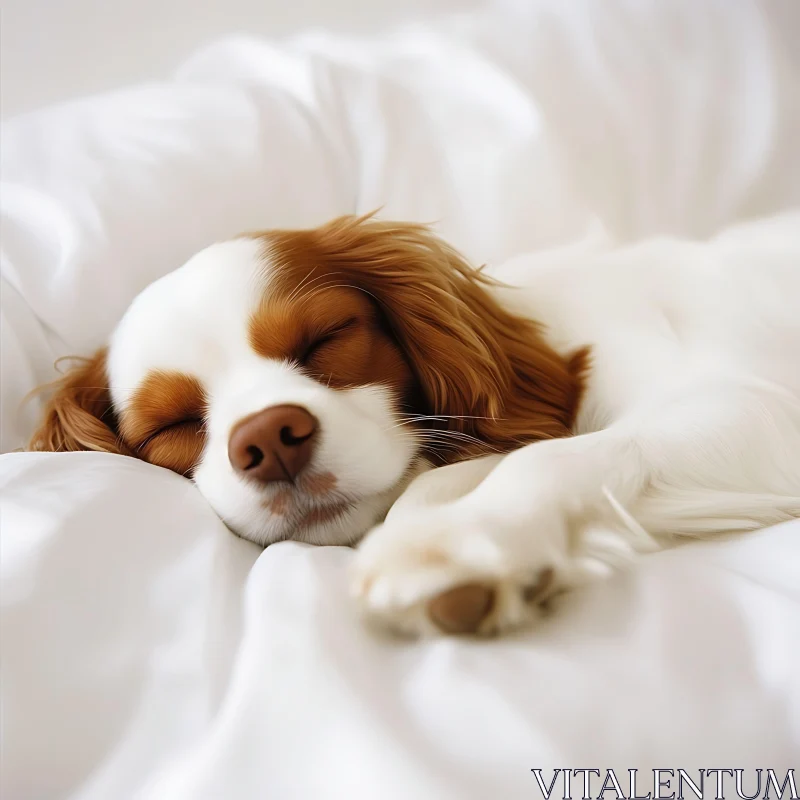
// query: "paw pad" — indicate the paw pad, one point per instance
point(462, 609)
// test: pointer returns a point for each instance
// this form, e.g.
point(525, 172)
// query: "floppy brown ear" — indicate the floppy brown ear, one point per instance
point(79, 413)
point(486, 368)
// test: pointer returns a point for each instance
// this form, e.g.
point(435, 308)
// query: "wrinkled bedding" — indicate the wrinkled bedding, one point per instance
point(146, 651)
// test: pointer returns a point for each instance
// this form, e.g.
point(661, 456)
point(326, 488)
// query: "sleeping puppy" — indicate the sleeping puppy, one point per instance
point(586, 409)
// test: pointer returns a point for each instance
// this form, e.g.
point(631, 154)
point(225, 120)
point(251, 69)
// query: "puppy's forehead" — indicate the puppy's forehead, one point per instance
point(193, 320)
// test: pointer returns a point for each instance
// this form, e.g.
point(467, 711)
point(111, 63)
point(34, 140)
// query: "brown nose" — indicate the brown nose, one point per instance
point(273, 444)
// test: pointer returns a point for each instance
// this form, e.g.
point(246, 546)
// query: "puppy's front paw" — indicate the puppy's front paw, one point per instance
point(446, 571)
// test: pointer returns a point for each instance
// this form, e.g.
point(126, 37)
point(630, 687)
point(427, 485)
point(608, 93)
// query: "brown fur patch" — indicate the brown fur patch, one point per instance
point(324, 514)
point(163, 422)
point(319, 483)
point(279, 502)
point(408, 311)
point(333, 332)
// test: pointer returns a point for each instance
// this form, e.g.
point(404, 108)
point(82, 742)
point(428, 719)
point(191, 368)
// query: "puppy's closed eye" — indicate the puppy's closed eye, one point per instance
point(177, 446)
point(322, 340)
point(172, 428)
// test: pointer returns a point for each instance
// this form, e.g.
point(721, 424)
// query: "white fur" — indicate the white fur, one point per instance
point(690, 427)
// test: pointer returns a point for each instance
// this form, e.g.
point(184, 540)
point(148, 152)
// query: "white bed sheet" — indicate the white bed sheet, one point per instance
point(146, 651)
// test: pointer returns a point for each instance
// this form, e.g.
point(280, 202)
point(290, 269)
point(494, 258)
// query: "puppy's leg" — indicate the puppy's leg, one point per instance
point(559, 513)
point(485, 560)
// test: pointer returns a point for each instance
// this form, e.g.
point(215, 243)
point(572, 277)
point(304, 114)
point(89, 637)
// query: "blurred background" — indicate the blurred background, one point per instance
point(55, 49)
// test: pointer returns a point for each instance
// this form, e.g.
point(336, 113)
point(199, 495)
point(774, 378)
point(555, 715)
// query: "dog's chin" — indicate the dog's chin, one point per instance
point(341, 523)
point(309, 512)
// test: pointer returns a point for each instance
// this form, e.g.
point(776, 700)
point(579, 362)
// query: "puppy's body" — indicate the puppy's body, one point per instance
point(670, 320)
point(685, 414)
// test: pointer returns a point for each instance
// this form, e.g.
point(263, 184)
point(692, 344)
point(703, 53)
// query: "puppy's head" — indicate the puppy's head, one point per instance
point(301, 378)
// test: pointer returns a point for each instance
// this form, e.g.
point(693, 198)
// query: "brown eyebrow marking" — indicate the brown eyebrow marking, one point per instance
point(323, 322)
